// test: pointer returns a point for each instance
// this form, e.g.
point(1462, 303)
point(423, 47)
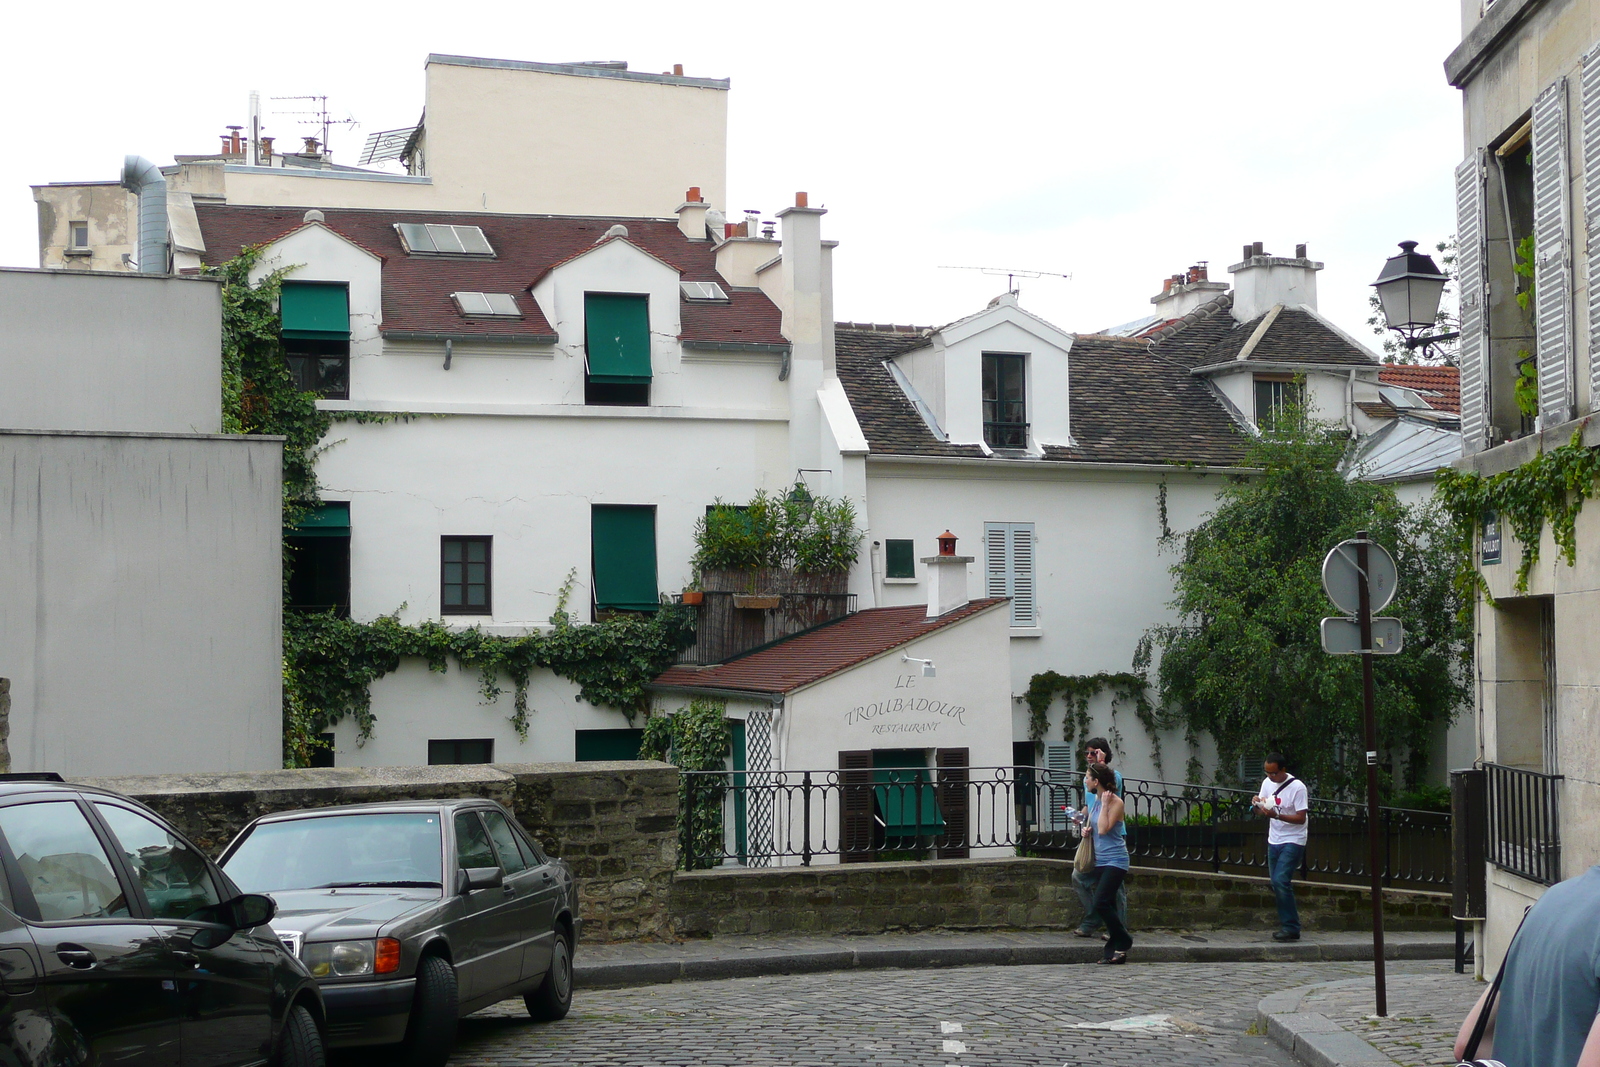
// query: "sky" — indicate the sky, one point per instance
point(1115, 142)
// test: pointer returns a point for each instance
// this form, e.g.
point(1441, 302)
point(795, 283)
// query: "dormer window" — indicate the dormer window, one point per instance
point(487, 305)
point(1275, 395)
point(433, 239)
point(1005, 411)
point(703, 292)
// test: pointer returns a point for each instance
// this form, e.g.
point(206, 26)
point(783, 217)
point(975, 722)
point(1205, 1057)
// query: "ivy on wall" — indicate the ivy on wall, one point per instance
point(696, 738)
point(330, 663)
point(1077, 690)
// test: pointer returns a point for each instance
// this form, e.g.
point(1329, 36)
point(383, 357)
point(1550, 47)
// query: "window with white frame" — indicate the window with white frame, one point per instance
point(1008, 568)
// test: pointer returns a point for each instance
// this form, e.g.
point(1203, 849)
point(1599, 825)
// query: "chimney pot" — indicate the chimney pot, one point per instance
point(1257, 250)
point(677, 70)
point(800, 200)
point(693, 195)
point(1299, 251)
point(1166, 285)
point(1248, 250)
point(947, 544)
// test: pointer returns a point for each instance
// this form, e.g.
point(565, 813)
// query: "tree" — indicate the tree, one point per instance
point(1245, 662)
point(1448, 319)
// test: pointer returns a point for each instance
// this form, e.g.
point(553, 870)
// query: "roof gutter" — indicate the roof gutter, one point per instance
point(485, 338)
point(766, 347)
point(1056, 465)
point(1279, 365)
point(775, 699)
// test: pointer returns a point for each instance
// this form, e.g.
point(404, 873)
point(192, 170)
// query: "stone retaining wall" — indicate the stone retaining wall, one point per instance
point(1033, 894)
point(613, 822)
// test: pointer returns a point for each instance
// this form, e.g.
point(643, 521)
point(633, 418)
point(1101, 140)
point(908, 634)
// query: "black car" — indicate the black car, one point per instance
point(413, 914)
point(120, 943)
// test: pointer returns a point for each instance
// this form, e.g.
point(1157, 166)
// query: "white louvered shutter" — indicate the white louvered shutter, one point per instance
point(1473, 350)
point(1552, 278)
point(1057, 793)
point(1008, 567)
point(1590, 121)
point(997, 559)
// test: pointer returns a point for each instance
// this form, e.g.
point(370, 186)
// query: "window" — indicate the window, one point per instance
point(464, 575)
point(1005, 413)
point(899, 558)
point(319, 561)
point(703, 292)
point(623, 556)
point(505, 842)
point(431, 239)
point(472, 842)
point(77, 237)
point(616, 330)
point(487, 305)
point(596, 745)
point(173, 876)
point(315, 319)
point(1008, 563)
point(62, 862)
point(1275, 395)
point(460, 750)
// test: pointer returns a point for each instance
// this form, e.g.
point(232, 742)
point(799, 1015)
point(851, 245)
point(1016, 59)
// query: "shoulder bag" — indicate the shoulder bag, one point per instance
point(1482, 1024)
point(1083, 861)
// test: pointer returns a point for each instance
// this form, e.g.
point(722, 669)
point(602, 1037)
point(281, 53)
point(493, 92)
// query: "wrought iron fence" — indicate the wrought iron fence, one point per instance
point(1525, 822)
point(874, 814)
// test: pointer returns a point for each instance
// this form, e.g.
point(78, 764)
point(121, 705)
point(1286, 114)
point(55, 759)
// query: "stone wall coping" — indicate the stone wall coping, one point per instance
point(486, 774)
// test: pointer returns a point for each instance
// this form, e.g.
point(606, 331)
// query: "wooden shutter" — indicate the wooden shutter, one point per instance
point(1008, 568)
point(1473, 351)
point(855, 806)
point(1552, 261)
point(616, 330)
point(1590, 120)
point(623, 555)
point(1057, 793)
point(953, 778)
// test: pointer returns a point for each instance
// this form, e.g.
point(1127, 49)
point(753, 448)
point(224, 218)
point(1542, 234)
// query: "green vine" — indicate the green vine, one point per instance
point(696, 738)
point(1549, 488)
point(1077, 690)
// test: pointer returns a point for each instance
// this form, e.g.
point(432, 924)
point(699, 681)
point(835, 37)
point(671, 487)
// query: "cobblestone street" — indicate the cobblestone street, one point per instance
point(1024, 1016)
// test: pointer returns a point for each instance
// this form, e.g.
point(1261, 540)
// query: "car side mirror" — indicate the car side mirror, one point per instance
point(469, 879)
point(252, 910)
point(241, 913)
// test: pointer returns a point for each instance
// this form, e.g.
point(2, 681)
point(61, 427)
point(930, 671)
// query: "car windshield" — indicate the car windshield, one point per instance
point(378, 849)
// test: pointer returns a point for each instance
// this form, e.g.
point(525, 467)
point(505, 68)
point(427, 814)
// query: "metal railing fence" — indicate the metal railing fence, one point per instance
point(948, 812)
point(1524, 818)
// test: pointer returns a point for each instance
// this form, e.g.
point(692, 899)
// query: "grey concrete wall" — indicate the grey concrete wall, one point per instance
point(110, 351)
point(615, 823)
point(140, 601)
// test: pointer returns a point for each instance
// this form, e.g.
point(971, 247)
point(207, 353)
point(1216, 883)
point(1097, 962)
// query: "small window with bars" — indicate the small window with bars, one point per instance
point(433, 239)
point(464, 586)
point(899, 558)
point(1008, 568)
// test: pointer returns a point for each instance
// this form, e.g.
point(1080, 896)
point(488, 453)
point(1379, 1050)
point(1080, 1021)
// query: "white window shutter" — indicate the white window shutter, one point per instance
point(1057, 794)
point(1023, 611)
point(1552, 278)
point(1473, 349)
point(1590, 119)
point(997, 560)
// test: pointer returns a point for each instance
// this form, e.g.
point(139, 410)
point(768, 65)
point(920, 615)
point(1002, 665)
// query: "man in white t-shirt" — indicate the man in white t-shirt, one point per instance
point(1283, 801)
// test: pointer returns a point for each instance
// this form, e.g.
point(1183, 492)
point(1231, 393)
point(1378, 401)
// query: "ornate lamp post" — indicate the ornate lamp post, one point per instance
point(1410, 287)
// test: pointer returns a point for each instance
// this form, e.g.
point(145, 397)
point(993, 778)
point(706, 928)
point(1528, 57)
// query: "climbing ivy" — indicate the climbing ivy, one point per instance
point(1548, 489)
point(1077, 690)
point(696, 738)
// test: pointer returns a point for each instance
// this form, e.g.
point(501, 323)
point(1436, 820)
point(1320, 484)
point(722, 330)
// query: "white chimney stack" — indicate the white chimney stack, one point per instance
point(1182, 293)
point(947, 577)
point(692, 215)
point(1261, 282)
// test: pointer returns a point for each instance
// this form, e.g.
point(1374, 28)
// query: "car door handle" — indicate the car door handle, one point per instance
point(75, 956)
point(546, 876)
point(186, 958)
point(508, 890)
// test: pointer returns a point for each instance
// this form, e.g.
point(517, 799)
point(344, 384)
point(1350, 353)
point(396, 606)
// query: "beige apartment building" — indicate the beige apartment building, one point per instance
point(1529, 72)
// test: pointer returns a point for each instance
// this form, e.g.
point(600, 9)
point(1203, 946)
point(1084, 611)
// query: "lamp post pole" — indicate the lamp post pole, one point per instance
point(1370, 725)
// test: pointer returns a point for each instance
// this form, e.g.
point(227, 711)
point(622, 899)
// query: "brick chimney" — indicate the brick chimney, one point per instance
point(1185, 291)
point(1262, 281)
point(947, 577)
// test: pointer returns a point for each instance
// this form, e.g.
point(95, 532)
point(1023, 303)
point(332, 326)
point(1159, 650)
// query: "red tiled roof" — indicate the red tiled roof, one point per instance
point(1439, 386)
point(416, 289)
point(814, 655)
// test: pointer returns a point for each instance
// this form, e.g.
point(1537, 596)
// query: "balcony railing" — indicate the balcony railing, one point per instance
point(1525, 823)
point(781, 818)
point(733, 624)
point(1006, 434)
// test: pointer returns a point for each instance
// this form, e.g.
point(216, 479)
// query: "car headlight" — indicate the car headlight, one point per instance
point(340, 959)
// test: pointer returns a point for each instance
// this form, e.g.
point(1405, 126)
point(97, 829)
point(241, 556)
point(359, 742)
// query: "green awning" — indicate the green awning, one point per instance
point(907, 801)
point(616, 329)
point(623, 547)
point(326, 520)
point(315, 311)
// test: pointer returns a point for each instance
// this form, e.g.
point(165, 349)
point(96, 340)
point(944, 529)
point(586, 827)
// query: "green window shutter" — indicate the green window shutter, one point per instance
point(325, 520)
point(616, 329)
point(623, 546)
point(315, 311)
point(899, 558)
point(591, 745)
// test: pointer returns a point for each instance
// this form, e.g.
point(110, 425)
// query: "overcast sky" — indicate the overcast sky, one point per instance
point(1116, 142)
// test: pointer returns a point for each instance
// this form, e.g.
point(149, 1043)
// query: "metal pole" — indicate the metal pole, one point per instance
point(805, 793)
point(1370, 722)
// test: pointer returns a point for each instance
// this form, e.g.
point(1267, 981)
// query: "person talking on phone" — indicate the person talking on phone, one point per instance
point(1107, 824)
point(1096, 750)
point(1284, 801)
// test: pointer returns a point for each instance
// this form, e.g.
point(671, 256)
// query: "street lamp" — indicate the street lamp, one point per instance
point(1410, 287)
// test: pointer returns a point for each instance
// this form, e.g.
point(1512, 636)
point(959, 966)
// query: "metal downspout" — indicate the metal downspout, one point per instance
point(143, 177)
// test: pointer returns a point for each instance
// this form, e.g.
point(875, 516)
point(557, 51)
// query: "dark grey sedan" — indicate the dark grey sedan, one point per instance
point(411, 915)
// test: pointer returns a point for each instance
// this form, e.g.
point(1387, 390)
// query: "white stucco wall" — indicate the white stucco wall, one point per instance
point(127, 352)
point(140, 618)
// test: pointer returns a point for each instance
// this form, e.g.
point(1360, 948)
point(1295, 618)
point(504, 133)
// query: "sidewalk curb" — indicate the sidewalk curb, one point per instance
point(619, 974)
point(1313, 1038)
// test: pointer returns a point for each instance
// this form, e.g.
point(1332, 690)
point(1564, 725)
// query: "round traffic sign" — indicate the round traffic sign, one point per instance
point(1341, 578)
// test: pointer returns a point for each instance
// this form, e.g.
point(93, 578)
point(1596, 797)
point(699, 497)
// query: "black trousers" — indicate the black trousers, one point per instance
point(1105, 906)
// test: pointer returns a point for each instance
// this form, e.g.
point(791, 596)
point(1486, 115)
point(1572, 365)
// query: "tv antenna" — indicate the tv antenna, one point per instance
point(1011, 273)
point(319, 115)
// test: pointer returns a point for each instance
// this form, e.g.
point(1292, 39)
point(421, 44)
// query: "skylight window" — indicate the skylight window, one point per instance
point(433, 239)
point(487, 305)
point(703, 292)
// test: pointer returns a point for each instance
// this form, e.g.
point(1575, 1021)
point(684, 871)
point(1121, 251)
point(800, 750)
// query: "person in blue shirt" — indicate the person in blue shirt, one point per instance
point(1097, 750)
point(1109, 829)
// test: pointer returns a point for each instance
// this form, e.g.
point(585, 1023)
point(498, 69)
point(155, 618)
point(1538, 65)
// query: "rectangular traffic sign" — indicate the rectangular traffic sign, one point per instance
point(1342, 637)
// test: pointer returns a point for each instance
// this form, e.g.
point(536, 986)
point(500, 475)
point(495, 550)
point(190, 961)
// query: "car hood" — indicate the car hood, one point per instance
point(345, 914)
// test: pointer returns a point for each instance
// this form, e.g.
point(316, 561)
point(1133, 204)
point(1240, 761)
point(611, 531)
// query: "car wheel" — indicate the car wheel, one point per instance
point(553, 999)
point(432, 1030)
point(300, 1043)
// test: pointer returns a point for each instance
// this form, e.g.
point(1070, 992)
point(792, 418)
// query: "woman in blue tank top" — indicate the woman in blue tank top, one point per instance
point(1108, 827)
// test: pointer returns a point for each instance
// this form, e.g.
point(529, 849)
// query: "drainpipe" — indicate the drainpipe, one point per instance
point(1350, 404)
point(141, 176)
point(449, 351)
